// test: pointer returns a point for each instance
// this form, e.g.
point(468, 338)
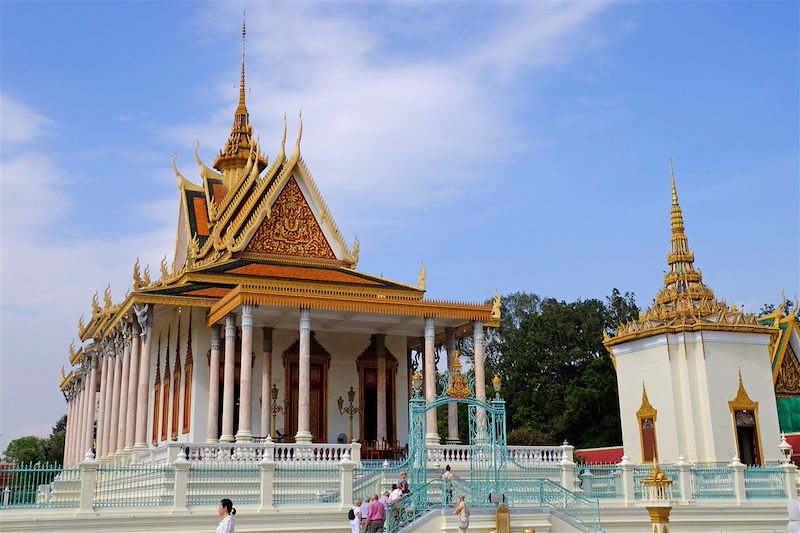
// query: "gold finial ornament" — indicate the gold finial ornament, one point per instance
point(137, 276)
point(496, 302)
point(81, 327)
point(95, 304)
point(146, 277)
point(458, 382)
point(422, 277)
point(674, 191)
point(164, 271)
point(356, 251)
point(107, 301)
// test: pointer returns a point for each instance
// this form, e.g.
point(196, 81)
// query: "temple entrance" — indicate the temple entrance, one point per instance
point(235, 406)
point(369, 388)
point(318, 375)
point(747, 438)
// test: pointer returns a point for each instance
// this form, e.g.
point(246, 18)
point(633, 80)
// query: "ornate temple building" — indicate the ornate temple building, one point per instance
point(695, 375)
point(784, 352)
point(258, 325)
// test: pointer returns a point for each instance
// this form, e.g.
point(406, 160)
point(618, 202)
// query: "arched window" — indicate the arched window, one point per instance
point(646, 417)
point(744, 412)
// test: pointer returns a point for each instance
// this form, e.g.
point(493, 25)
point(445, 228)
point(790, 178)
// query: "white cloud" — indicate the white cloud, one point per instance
point(48, 278)
point(19, 122)
point(413, 127)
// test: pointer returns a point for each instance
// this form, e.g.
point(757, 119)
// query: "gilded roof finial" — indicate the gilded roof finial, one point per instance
point(242, 108)
point(674, 191)
point(421, 278)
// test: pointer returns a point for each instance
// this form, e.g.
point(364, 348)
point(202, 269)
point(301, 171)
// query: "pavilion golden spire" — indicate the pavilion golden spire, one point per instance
point(683, 284)
point(240, 142)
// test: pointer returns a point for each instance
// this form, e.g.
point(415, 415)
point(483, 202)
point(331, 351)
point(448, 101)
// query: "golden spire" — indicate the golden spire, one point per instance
point(242, 117)
point(236, 152)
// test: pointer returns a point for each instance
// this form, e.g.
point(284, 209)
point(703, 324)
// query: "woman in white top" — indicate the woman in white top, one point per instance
point(355, 523)
point(226, 511)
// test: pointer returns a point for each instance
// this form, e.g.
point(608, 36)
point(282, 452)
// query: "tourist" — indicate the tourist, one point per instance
point(364, 510)
point(226, 511)
point(447, 477)
point(385, 499)
point(355, 521)
point(463, 514)
point(403, 483)
point(376, 516)
point(396, 494)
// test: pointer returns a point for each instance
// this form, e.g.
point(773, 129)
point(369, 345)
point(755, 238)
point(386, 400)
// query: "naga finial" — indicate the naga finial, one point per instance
point(81, 326)
point(107, 302)
point(356, 251)
point(137, 277)
point(72, 348)
point(146, 277)
point(95, 304)
point(164, 271)
point(422, 277)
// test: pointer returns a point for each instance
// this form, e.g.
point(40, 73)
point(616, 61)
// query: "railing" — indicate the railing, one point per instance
point(299, 483)
point(764, 482)
point(254, 452)
point(712, 482)
point(208, 482)
point(454, 454)
point(134, 486)
point(31, 486)
point(601, 481)
point(545, 493)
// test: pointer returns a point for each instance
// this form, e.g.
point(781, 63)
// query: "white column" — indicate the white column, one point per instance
point(213, 388)
point(101, 419)
point(245, 434)
point(115, 393)
point(266, 383)
point(229, 382)
point(133, 375)
point(91, 404)
point(380, 353)
point(452, 407)
point(304, 378)
point(431, 432)
point(123, 389)
point(144, 315)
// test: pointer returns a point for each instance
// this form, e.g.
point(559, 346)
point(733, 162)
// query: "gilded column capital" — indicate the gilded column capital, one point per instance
point(144, 316)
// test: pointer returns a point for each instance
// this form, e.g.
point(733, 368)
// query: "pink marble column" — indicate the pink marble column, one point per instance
point(84, 415)
point(76, 443)
point(213, 388)
point(122, 411)
point(304, 378)
point(70, 429)
point(431, 432)
point(380, 352)
point(133, 375)
point(101, 423)
point(144, 314)
point(229, 379)
point(266, 383)
point(104, 437)
point(480, 373)
point(91, 403)
point(245, 434)
point(116, 394)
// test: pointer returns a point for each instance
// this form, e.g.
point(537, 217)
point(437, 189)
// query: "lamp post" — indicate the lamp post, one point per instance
point(275, 408)
point(497, 382)
point(416, 384)
point(350, 410)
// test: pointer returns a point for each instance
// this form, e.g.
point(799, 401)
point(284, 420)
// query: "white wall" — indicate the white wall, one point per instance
point(690, 379)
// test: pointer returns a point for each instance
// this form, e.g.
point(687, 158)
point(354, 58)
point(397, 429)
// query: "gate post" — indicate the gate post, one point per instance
point(628, 483)
point(346, 481)
point(88, 481)
point(567, 467)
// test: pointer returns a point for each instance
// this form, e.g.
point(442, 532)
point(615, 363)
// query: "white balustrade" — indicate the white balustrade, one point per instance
point(253, 452)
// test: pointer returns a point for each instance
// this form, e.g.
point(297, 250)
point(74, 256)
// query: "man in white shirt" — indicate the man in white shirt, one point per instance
point(396, 494)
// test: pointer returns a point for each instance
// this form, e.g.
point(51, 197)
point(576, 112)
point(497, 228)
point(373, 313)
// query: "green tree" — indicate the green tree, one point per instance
point(25, 450)
point(558, 377)
point(32, 449)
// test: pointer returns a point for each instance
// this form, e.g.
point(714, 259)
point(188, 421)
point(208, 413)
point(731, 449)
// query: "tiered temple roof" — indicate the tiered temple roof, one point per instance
point(261, 233)
point(685, 303)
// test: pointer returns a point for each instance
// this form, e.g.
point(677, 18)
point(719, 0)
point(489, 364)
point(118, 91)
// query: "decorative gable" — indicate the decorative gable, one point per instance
point(291, 228)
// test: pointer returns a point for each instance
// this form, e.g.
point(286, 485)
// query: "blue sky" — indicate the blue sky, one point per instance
point(510, 146)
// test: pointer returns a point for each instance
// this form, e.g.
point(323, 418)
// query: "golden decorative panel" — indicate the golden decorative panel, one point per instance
point(788, 382)
point(291, 228)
